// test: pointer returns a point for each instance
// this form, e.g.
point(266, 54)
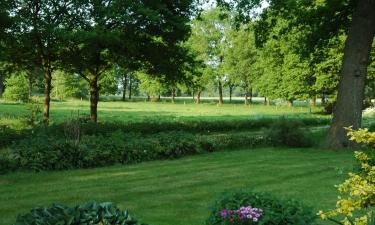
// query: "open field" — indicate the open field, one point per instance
point(165, 111)
point(179, 192)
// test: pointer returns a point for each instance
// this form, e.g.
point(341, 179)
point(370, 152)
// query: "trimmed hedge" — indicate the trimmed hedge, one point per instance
point(276, 211)
point(89, 213)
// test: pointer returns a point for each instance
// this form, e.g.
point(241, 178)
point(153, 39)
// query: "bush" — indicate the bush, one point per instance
point(43, 151)
point(16, 88)
point(89, 213)
point(288, 133)
point(275, 211)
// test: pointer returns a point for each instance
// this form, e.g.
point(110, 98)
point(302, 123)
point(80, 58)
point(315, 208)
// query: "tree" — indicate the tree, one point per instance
point(35, 35)
point(240, 60)
point(113, 32)
point(208, 39)
point(16, 88)
point(348, 110)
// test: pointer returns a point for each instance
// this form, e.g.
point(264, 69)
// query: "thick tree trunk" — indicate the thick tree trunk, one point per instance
point(199, 96)
point(124, 84)
point(47, 91)
point(1, 85)
point(265, 101)
point(130, 88)
point(94, 97)
point(290, 103)
point(221, 101)
point(348, 110)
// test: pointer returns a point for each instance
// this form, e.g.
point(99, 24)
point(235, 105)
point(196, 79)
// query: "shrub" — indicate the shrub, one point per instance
point(275, 211)
point(89, 213)
point(357, 193)
point(16, 88)
point(288, 133)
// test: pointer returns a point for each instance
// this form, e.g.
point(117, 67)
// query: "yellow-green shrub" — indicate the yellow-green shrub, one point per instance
point(357, 193)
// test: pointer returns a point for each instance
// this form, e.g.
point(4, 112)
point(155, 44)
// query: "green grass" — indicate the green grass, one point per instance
point(179, 192)
point(162, 111)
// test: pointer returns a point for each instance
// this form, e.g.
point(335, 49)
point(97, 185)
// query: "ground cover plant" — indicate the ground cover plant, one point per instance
point(180, 192)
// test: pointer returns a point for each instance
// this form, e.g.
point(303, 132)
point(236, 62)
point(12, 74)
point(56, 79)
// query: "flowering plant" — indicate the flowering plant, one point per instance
point(244, 215)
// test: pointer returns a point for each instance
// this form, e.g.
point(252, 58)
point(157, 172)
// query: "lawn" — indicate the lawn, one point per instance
point(179, 192)
point(162, 111)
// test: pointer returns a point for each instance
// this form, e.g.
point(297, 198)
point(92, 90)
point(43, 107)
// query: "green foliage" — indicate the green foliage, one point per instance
point(276, 211)
point(357, 193)
point(16, 88)
point(289, 133)
point(89, 213)
point(67, 85)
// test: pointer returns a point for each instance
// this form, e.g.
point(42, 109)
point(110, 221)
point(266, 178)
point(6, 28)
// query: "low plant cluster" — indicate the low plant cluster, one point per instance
point(48, 152)
point(88, 213)
point(247, 207)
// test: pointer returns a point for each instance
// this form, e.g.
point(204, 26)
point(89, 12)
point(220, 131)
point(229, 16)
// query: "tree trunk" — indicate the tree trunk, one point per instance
point(1, 85)
point(199, 96)
point(94, 97)
point(313, 101)
point(290, 103)
point(30, 79)
point(130, 88)
point(250, 96)
point(47, 91)
point(124, 83)
point(323, 100)
point(173, 94)
point(230, 93)
point(265, 101)
point(221, 101)
point(193, 94)
point(348, 110)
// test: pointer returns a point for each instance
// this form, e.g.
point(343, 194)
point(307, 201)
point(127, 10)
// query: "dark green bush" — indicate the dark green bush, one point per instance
point(44, 152)
point(276, 211)
point(289, 133)
point(8, 136)
point(85, 214)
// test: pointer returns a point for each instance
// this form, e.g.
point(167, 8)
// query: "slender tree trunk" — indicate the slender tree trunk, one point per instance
point(30, 79)
point(221, 101)
point(313, 101)
point(251, 96)
point(246, 98)
point(148, 97)
point(173, 94)
point(348, 110)
point(199, 96)
point(159, 98)
point(193, 94)
point(1, 85)
point(290, 103)
point(94, 97)
point(124, 84)
point(130, 88)
point(323, 100)
point(230, 93)
point(265, 101)
point(47, 90)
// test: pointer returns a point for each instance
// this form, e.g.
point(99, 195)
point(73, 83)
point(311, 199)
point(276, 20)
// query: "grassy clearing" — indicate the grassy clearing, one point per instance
point(179, 192)
point(162, 111)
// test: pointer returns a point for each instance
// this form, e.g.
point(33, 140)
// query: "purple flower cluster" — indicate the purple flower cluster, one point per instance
point(244, 213)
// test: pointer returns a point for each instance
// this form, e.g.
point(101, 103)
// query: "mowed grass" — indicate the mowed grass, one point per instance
point(179, 192)
point(161, 111)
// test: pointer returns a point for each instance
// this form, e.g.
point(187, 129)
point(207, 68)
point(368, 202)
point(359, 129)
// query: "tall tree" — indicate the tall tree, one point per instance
point(35, 34)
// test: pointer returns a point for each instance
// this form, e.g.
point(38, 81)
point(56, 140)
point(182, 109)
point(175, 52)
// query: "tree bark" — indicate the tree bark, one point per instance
point(47, 90)
point(130, 88)
point(230, 93)
point(30, 79)
point(199, 96)
point(94, 97)
point(1, 85)
point(313, 101)
point(348, 110)
point(221, 101)
point(290, 103)
point(173, 94)
point(124, 84)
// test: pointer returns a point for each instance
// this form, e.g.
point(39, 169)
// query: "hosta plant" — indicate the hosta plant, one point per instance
point(91, 213)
